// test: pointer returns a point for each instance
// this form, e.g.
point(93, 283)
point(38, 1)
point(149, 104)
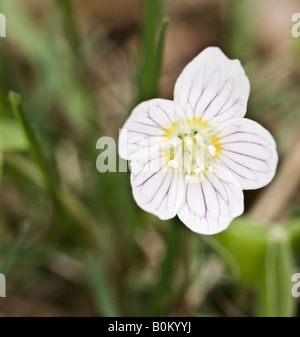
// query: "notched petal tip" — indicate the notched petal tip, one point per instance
point(211, 205)
point(212, 87)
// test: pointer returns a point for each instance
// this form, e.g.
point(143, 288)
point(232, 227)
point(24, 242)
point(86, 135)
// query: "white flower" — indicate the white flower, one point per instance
point(193, 156)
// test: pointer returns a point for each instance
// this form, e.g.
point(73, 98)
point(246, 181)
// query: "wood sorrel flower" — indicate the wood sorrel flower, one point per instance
point(193, 156)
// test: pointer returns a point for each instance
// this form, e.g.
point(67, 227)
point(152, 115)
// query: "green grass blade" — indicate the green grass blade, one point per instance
point(152, 45)
point(36, 151)
point(167, 270)
point(52, 65)
point(70, 28)
point(241, 29)
point(100, 288)
point(11, 136)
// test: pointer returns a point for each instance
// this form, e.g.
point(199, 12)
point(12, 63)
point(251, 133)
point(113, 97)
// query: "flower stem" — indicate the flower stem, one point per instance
point(163, 287)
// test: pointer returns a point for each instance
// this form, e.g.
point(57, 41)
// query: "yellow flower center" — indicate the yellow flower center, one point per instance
point(191, 147)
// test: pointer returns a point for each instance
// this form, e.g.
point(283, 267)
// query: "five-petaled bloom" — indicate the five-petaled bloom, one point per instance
point(193, 156)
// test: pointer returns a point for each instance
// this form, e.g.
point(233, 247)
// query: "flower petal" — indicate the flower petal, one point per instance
point(211, 204)
point(145, 128)
point(156, 188)
point(212, 88)
point(248, 151)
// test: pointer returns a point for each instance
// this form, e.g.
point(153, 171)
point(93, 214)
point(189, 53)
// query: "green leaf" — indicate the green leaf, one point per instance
point(245, 240)
point(276, 297)
point(293, 228)
point(11, 136)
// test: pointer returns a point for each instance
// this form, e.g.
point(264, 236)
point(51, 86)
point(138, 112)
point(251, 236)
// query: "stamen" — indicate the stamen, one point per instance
point(175, 142)
point(173, 163)
point(197, 170)
point(212, 150)
point(188, 141)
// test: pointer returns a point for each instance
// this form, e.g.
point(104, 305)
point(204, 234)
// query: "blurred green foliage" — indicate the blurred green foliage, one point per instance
point(99, 226)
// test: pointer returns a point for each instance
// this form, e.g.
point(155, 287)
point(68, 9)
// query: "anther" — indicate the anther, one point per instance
point(197, 170)
point(188, 141)
point(173, 163)
point(211, 150)
point(175, 142)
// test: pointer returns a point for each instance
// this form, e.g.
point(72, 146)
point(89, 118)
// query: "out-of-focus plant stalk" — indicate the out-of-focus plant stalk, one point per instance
point(277, 300)
point(153, 33)
point(167, 270)
point(36, 151)
point(63, 199)
point(70, 28)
